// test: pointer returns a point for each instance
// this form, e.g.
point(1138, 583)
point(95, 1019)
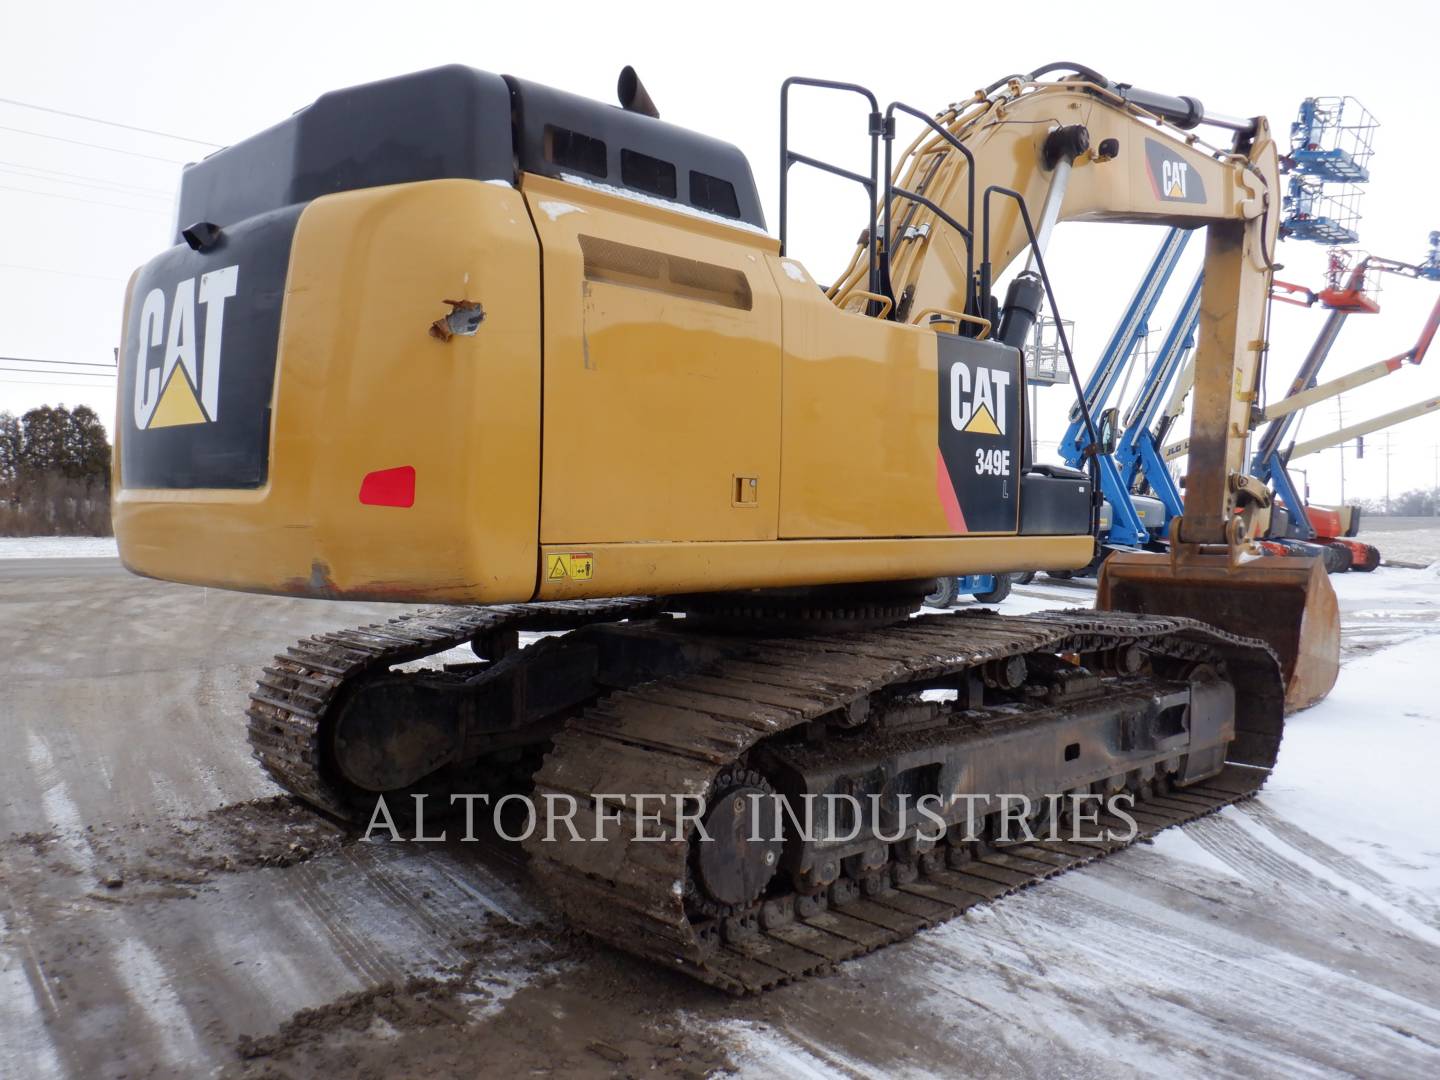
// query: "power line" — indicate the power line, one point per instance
point(68, 375)
point(51, 270)
point(37, 360)
point(93, 146)
point(105, 369)
point(83, 176)
point(92, 202)
point(122, 189)
point(45, 380)
point(61, 386)
point(107, 123)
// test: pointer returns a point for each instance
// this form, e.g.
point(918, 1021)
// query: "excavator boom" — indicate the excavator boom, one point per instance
point(1080, 150)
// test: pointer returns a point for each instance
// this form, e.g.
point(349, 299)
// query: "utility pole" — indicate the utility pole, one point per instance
point(1387, 473)
point(1340, 414)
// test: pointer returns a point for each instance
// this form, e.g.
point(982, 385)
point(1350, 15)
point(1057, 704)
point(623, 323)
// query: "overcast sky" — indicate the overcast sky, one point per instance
point(219, 72)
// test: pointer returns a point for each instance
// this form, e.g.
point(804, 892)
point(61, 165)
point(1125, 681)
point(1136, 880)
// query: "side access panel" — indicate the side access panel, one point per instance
point(662, 374)
point(891, 429)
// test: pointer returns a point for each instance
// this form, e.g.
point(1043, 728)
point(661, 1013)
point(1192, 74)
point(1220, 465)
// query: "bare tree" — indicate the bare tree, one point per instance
point(54, 473)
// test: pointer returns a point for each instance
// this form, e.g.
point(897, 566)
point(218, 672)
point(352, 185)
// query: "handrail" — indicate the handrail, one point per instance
point(875, 298)
point(789, 157)
point(967, 231)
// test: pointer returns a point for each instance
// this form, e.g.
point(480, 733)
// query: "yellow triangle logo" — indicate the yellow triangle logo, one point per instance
point(177, 404)
point(982, 423)
point(557, 568)
point(1176, 191)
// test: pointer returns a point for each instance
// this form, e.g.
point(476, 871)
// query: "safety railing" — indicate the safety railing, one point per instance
point(870, 183)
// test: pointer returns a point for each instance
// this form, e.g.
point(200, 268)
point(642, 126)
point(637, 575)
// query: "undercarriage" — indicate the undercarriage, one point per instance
point(752, 808)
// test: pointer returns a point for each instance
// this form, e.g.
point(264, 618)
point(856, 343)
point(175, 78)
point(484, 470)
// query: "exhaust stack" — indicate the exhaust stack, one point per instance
point(633, 97)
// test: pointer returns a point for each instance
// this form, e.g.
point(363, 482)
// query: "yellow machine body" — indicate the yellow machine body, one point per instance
point(485, 385)
point(640, 431)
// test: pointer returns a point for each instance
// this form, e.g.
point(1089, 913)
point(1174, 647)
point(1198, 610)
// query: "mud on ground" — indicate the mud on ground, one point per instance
point(165, 913)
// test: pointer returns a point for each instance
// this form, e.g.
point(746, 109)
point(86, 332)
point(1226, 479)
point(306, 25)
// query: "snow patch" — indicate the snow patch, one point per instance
point(766, 1051)
point(1180, 845)
point(663, 204)
point(1399, 917)
point(148, 986)
point(58, 547)
point(61, 811)
point(27, 1049)
point(1355, 771)
point(555, 210)
point(794, 271)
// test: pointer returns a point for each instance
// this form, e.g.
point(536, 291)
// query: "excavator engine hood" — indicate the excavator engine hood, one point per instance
point(1287, 603)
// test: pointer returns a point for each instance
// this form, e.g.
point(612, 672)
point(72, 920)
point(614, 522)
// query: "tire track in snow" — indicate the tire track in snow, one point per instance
point(27, 1004)
point(312, 885)
point(1179, 984)
point(1248, 978)
point(1260, 866)
point(1354, 871)
point(1245, 845)
point(140, 976)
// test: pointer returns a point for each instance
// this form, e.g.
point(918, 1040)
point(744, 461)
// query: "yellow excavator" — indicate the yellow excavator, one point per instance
point(463, 340)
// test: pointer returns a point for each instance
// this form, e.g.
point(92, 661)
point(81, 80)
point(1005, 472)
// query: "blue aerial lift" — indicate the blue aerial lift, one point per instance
point(1138, 455)
point(1127, 527)
point(1331, 142)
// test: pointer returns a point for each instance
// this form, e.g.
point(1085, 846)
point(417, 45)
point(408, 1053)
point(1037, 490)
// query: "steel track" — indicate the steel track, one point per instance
point(296, 694)
point(675, 735)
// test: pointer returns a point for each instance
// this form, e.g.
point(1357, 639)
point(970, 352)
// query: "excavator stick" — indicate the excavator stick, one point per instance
point(1287, 603)
point(1211, 571)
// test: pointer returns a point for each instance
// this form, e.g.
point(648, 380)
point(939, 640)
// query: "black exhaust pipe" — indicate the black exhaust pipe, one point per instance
point(633, 97)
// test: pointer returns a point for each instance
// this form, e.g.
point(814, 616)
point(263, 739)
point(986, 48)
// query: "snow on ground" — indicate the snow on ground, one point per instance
point(1404, 539)
point(58, 547)
point(1385, 608)
point(1295, 934)
point(1341, 778)
point(1420, 547)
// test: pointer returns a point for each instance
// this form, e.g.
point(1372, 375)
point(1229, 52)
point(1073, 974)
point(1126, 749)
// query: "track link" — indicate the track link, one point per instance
point(674, 735)
point(298, 690)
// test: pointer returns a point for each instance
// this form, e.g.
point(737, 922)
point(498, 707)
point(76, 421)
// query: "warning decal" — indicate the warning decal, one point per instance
point(573, 565)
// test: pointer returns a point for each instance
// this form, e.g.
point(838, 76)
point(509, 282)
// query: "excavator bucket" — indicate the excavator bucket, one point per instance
point(1287, 603)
